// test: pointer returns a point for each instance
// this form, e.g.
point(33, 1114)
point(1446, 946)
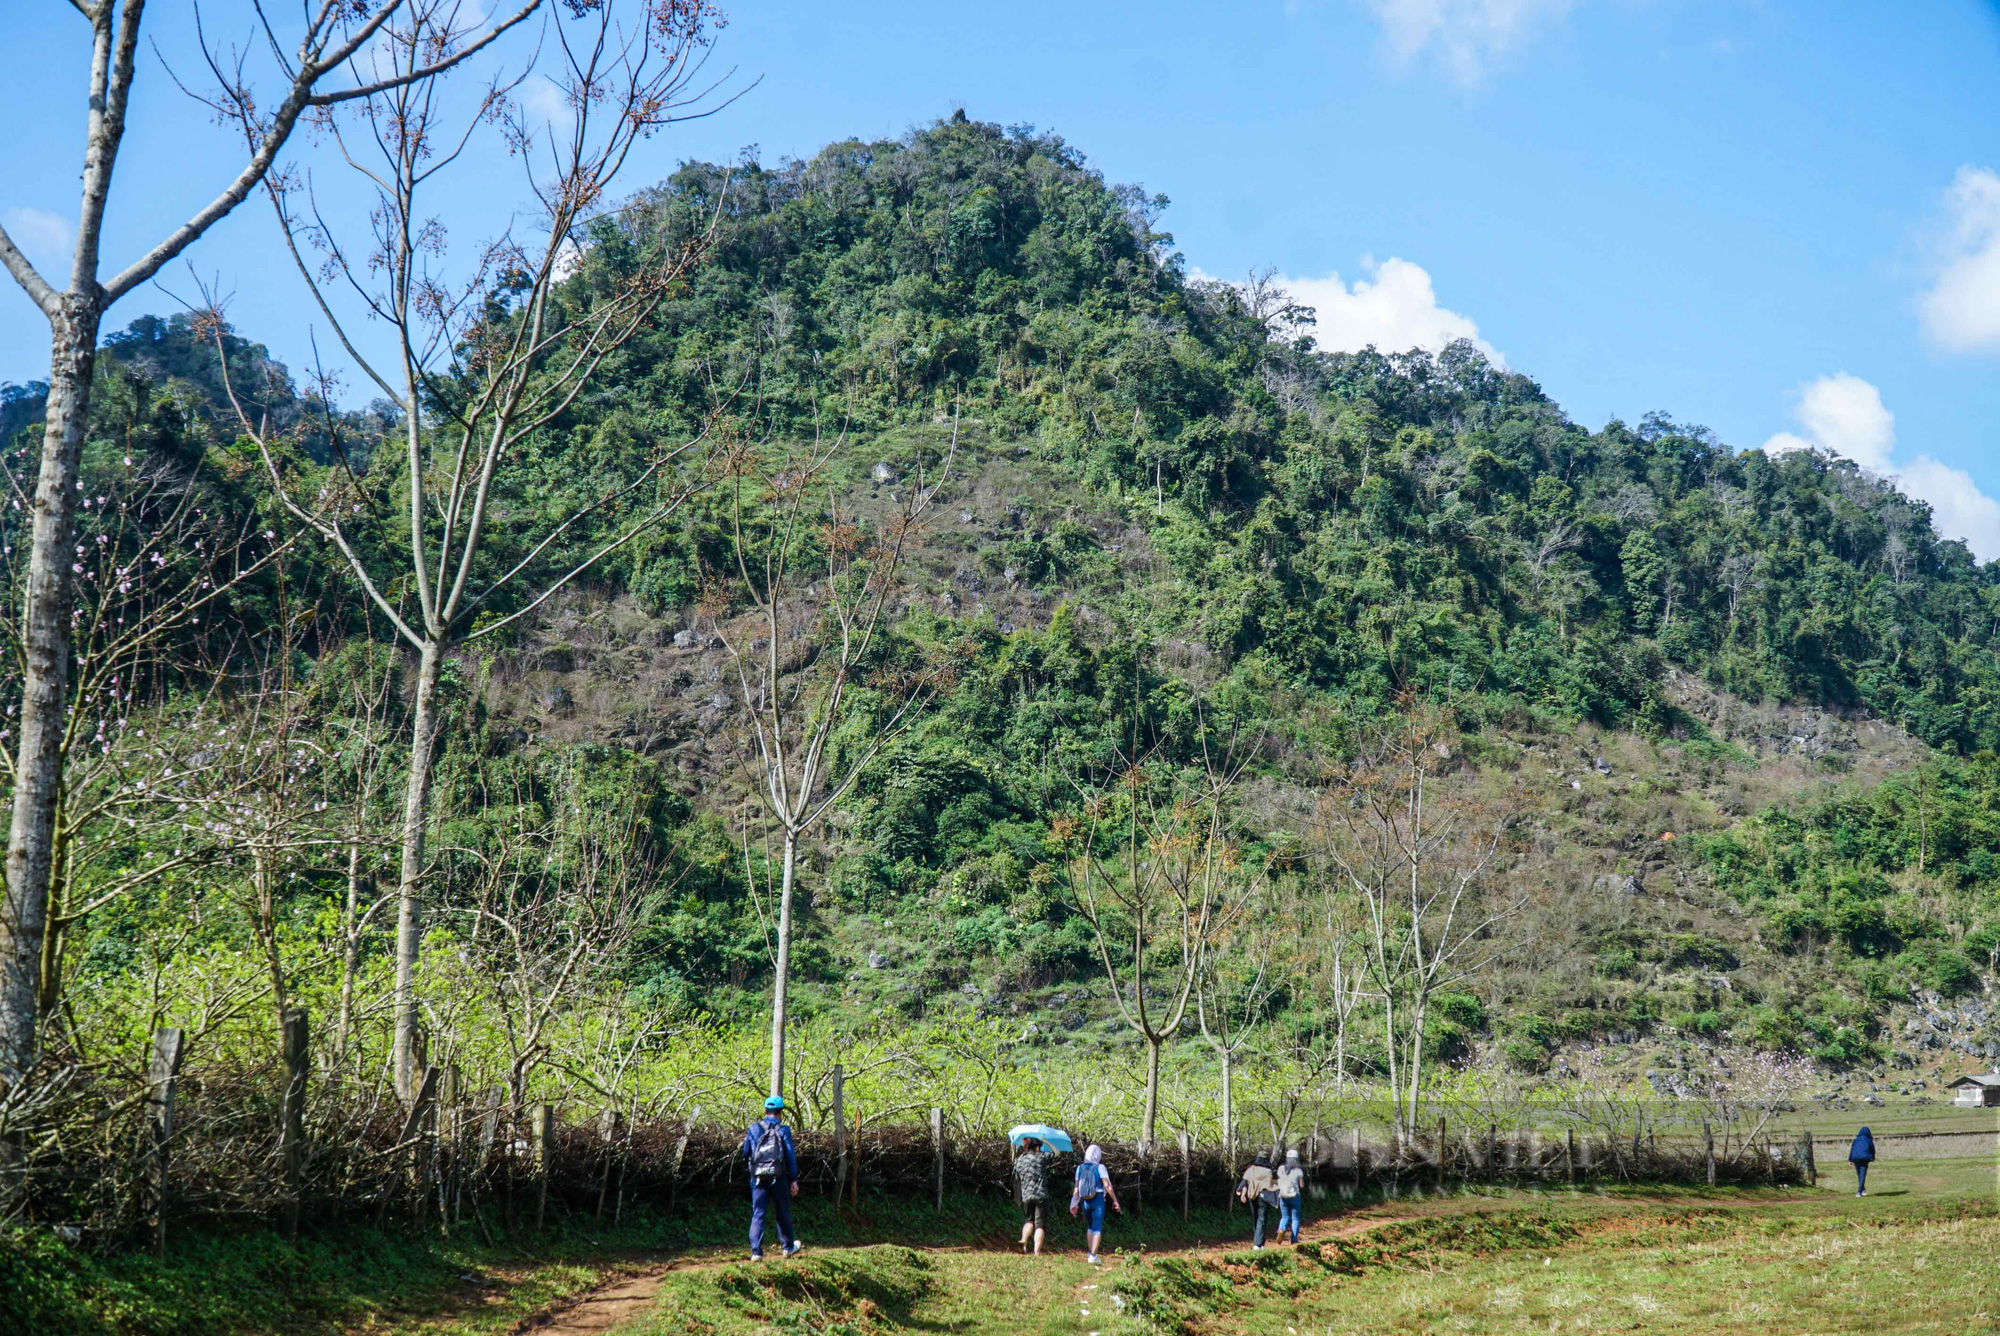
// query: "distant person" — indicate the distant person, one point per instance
point(1093, 1189)
point(1031, 1180)
point(1861, 1154)
point(1291, 1192)
point(1259, 1188)
point(774, 1178)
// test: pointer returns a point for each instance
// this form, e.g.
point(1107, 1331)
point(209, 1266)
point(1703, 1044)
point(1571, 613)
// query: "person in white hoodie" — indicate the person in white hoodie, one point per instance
point(1291, 1194)
point(1093, 1189)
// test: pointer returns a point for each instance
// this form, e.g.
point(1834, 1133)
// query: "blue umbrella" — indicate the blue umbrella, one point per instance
point(1052, 1137)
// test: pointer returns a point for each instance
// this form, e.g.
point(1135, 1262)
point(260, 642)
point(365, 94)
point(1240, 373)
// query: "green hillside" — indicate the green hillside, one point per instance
point(1169, 512)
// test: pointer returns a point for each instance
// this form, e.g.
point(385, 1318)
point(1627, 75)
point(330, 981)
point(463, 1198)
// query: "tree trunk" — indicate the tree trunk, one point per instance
point(45, 683)
point(350, 963)
point(1152, 1092)
point(416, 819)
point(1414, 1067)
point(262, 875)
point(1228, 1110)
point(784, 965)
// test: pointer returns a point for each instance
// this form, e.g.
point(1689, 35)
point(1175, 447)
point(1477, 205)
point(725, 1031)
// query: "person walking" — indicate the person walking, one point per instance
point(1031, 1181)
point(1291, 1193)
point(1093, 1189)
point(1861, 1154)
point(1259, 1187)
point(774, 1178)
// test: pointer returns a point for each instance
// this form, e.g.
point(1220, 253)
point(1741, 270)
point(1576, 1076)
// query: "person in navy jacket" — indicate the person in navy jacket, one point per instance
point(774, 1178)
point(1861, 1154)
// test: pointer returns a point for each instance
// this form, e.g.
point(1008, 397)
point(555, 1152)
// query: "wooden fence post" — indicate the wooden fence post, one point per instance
point(415, 1141)
point(1570, 1133)
point(839, 1131)
point(1806, 1158)
point(624, 1163)
point(454, 1104)
point(1444, 1151)
point(1492, 1141)
point(937, 1153)
point(292, 1033)
point(607, 1133)
point(1187, 1173)
point(541, 1137)
point(488, 1135)
point(162, 1071)
point(1708, 1136)
point(680, 1153)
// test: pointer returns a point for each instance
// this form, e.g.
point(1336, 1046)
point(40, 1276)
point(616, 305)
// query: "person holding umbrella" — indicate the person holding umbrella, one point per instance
point(1861, 1154)
point(1037, 1145)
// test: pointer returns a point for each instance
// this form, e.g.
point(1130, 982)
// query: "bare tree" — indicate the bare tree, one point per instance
point(562, 909)
point(1160, 879)
point(157, 554)
point(316, 74)
point(1419, 855)
point(261, 798)
point(1329, 965)
point(821, 585)
point(1234, 988)
point(487, 361)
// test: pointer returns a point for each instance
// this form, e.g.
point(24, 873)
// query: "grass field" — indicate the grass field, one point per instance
point(1917, 1255)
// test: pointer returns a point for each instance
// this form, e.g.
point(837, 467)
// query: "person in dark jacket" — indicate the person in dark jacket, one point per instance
point(1861, 1154)
point(1258, 1189)
point(774, 1178)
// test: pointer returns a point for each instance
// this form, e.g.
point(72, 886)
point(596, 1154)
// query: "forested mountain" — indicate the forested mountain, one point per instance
point(1168, 509)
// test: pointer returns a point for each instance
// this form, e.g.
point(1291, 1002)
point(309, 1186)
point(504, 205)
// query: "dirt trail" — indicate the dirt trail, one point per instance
point(622, 1300)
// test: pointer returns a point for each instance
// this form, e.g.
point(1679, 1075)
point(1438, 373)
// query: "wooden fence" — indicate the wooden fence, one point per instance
point(275, 1143)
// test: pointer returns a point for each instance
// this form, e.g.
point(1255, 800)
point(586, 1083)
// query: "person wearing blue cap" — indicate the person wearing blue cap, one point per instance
point(774, 1178)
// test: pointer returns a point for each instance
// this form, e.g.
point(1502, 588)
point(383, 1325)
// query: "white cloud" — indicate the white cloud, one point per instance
point(1961, 312)
point(1958, 508)
point(1845, 414)
point(47, 239)
point(1465, 34)
point(1394, 310)
point(545, 102)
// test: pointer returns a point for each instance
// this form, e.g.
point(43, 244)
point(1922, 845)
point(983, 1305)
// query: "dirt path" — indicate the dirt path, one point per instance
point(630, 1296)
point(603, 1309)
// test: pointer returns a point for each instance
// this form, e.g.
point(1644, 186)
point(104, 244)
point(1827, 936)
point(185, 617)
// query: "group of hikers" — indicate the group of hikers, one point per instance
point(1274, 1192)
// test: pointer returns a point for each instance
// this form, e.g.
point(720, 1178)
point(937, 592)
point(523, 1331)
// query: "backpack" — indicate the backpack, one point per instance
point(767, 1155)
point(1094, 1178)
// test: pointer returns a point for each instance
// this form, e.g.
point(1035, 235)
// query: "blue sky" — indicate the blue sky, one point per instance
point(1777, 219)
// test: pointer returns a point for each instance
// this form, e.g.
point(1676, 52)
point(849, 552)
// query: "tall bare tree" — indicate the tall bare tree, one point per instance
point(821, 585)
point(1154, 869)
point(486, 358)
point(1418, 853)
point(1238, 980)
point(312, 71)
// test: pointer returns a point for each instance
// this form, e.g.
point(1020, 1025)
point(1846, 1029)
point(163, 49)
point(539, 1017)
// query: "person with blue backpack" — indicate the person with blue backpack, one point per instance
point(774, 1178)
point(1087, 1199)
